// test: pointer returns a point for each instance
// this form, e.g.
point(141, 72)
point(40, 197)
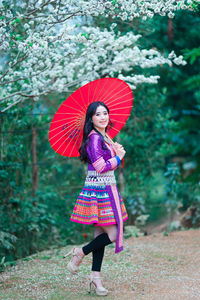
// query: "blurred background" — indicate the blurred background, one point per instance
point(160, 179)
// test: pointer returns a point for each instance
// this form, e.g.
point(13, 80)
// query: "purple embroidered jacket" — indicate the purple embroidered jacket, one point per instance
point(103, 161)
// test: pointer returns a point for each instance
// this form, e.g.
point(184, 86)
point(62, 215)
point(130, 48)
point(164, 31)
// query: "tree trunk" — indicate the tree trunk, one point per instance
point(34, 162)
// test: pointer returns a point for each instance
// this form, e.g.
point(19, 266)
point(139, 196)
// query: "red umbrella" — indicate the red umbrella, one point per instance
point(66, 129)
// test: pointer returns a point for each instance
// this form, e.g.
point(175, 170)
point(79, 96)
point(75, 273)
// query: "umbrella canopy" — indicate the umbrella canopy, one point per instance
point(66, 129)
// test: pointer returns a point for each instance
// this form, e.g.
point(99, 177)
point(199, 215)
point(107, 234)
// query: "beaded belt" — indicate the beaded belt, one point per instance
point(95, 178)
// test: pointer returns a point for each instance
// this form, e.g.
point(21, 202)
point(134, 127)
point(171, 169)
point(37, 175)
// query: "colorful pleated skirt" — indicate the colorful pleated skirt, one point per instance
point(93, 206)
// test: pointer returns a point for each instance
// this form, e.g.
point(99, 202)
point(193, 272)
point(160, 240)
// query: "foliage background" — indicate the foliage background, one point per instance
point(161, 138)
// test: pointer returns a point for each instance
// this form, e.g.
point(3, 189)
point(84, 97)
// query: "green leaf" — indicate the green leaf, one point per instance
point(17, 20)
point(18, 37)
point(85, 35)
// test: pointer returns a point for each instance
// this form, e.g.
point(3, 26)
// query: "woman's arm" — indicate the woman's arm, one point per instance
point(95, 154)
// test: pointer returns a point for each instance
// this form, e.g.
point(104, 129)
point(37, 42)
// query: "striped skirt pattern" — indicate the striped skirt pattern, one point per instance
point(93, 206)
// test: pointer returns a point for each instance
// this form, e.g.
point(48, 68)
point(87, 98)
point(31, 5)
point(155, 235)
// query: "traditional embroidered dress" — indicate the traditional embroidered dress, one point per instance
point(100, 202)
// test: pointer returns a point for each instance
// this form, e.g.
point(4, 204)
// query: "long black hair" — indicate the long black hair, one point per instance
point(88, 127)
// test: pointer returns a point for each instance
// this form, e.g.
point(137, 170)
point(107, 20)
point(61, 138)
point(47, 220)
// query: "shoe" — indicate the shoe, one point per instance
point(100, 291)
point(71, 266)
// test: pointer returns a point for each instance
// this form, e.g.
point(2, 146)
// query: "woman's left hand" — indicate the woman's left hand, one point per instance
point(118, 146)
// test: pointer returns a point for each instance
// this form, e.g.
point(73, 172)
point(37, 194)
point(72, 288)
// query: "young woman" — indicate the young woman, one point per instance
point(99, 202)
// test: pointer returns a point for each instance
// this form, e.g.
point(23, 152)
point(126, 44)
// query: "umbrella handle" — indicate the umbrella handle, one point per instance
point(110, 139)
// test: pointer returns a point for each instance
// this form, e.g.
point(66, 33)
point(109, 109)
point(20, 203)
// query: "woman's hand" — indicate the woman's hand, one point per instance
point(119, 149)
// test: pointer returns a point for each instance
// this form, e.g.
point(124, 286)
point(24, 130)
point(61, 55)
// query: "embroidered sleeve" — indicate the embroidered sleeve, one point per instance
point(95, 154)
point(118, 160)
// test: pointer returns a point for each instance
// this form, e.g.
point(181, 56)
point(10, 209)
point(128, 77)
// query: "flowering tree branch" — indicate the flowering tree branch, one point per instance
point(46, 48)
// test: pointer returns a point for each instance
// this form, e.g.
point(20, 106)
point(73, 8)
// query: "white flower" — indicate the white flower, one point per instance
point(172, 55)
point(179, 60)
point(171, 15)
point(26, 26)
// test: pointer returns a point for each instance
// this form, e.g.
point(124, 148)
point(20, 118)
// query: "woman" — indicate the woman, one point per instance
point(99, 202)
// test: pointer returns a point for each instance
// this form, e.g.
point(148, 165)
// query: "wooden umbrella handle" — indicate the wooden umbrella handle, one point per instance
point(110, 139)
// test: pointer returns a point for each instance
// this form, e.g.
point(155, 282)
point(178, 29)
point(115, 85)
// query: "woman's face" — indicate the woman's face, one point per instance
point(101, 118)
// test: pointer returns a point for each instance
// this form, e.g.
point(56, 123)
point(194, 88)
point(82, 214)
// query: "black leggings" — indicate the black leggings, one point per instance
point(97, 247)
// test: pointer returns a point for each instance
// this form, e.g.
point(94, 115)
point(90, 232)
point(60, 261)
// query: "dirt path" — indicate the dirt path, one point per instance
point(152, 268)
